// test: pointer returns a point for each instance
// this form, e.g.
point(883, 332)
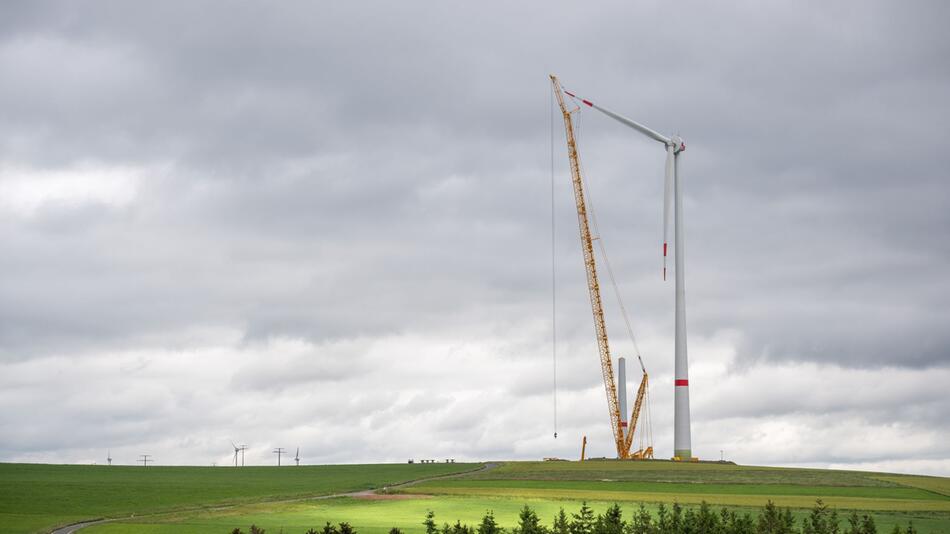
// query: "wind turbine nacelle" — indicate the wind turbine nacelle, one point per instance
point(678, 144)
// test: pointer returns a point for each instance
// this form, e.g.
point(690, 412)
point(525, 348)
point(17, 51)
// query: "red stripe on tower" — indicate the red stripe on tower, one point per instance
point(681, 382)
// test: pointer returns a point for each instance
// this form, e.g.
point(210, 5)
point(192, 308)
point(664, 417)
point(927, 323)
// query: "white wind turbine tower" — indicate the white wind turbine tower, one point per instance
point(236, 451)
point(675, 146)
point(297, 457)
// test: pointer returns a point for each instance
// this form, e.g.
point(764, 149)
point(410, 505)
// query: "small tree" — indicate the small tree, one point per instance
point(395, 530)
point(345, 528)
point(429, 523)
point(560, 525)
point(583, 521)
point(663, 523)
point(773, 521)
point(528, 522)
point(237, 531)
point(642, 522)
point(488, 524)
point(329, 529)
point(611, 522)
point(312, 531)
point(256, 530)
point(676, 518)
point(706, 520)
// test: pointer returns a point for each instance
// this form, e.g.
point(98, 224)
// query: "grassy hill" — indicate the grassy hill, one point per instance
point(715, 483)
point(192, 500)
point(34, 497)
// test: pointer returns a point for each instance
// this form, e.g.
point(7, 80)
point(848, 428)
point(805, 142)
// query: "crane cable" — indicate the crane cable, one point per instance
point(603, 248)
point(553, 273)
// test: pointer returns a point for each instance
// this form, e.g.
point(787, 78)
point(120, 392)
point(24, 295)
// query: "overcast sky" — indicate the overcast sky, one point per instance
point(328, 225)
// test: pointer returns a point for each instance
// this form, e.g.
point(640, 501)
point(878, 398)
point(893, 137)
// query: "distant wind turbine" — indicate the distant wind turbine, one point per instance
point(236, 451)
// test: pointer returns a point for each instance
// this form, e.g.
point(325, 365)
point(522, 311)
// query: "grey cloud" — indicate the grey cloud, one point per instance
point(327, 174)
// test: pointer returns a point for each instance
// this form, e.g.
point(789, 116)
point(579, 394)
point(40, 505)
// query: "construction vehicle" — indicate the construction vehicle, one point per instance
point(623, 434)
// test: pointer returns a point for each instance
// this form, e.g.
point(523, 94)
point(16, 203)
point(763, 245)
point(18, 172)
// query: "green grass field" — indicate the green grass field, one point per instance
point(191, 500)
point(35, 497)
point(721, 484)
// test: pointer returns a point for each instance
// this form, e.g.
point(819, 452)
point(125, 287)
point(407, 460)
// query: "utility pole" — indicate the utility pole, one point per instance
point(278, 451)
point(145, 459)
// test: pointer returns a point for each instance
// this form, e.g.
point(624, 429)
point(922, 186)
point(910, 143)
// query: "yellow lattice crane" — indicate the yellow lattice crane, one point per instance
point(623, 439)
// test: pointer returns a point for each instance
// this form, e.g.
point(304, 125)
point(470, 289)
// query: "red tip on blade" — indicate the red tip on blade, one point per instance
point(681, 382)
point(570, 94)
point(588, 102)
point(664, 250)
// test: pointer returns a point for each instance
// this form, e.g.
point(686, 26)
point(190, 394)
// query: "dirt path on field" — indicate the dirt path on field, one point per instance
point(363, 494)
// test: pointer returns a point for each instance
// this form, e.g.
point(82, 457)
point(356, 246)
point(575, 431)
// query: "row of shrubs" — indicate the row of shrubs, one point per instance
point(668, 520)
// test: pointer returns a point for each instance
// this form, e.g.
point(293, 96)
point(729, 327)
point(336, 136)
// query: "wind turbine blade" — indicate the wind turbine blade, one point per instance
point(667, 200)
point(649, 132)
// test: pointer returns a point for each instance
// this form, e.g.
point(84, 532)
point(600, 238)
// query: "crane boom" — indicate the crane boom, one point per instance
point(593, 284)
point(641, 393)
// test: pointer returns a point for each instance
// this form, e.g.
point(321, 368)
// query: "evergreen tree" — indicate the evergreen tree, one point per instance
point(329, 529)
point(560, 525)
point(345, 528)
point(854, 523)
point(706, 521)
point(528, 522)
point(429, 523)
point(741, 524)
point(489, 525)
point(910, 528)
point(867, 525)
point(663, 520)
point(676, 519)
point(788, 522)
point(642, 522)
point(583, 521)
point(612, 521)
point(689, 525)
point(817, 520)
point(773, 521)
